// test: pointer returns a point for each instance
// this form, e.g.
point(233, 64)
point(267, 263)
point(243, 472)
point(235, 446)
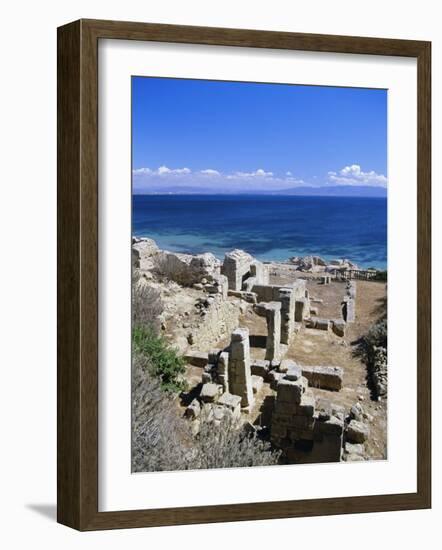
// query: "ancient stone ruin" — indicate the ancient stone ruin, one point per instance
point(305, 430)
point(252, 378)
point(240, 376)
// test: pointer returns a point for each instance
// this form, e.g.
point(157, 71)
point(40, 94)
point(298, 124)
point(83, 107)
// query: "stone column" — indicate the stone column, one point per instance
point(351, 289)
point(273, 317)
point(239, 373)
point(301, 305)
point(287, 314)
point(236, 264)
point(349, 310)
point(223, 370)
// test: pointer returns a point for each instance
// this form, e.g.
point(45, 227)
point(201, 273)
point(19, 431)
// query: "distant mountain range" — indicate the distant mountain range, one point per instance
point(337, 191)
point(326, 191)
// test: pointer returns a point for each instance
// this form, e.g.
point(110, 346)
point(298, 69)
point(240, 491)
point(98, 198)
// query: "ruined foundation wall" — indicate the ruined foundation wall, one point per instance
point(303, 430)
point(221, 319)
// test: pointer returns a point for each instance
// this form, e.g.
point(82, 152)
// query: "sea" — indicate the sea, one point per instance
point(270, 227)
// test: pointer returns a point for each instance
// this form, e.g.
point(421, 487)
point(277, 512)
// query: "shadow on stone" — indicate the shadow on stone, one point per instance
point(258, 341)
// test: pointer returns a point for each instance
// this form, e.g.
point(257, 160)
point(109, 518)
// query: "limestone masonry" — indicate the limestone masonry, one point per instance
point(207, 303)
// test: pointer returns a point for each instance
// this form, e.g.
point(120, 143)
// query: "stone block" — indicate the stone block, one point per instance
point(286, 297)
point(240, 334)
point(248, 285)
point(257, 383)
point(285, 419)
point(357, 432)
point(349, 310)
point(353, 457)
point(306, 406)
point(322, 324)
point(239, 373)
point(236, 267)
point(285, 364)
point(354, 448)
point(278, 431)
point(327, 449)
point(303, 422)
point(187, 269)
point(209, 392)
point(338, 327)
point(249, 297)
point(332, 426)
point(285, 409)
point(229, 400)
point(274, 378)
point(223, 362)
point(293, 373)
point(259, 272)
point(301, 309)
point(213, 356)
point(196, 358)
point(357, 412)
point(326, 378)
point(260, 367)
point(273, 317)
point(310, 322)
point(290, 391)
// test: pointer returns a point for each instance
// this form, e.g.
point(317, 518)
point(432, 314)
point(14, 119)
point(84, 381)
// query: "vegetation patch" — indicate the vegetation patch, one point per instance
point(163, 361)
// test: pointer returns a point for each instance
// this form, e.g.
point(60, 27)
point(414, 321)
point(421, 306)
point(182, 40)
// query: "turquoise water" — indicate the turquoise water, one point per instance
point(268, 227)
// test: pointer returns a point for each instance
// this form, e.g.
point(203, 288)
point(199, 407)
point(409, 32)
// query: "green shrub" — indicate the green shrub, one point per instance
point(163, 360)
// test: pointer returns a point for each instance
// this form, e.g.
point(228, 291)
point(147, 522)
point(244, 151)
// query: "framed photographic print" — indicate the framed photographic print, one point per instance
point(243, 275)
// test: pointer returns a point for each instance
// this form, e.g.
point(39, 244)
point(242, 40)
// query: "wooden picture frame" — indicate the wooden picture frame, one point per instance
point(78, 274)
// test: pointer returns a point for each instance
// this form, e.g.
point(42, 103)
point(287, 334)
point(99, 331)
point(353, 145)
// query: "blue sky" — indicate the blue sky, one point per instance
point(230, 136)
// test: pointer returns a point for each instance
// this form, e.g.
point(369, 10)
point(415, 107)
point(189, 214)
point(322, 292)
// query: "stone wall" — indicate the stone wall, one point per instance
point(235, 267)
point(187, 269)
point(243, 271)
point(303, 431)
point(221, 318)
point(295, 303)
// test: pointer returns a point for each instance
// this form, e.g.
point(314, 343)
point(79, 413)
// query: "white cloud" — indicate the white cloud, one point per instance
point(138, 171)
point(260, 173)
point(165, 170)
point(209, 179)
point(353, 175)
point(210, 172)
